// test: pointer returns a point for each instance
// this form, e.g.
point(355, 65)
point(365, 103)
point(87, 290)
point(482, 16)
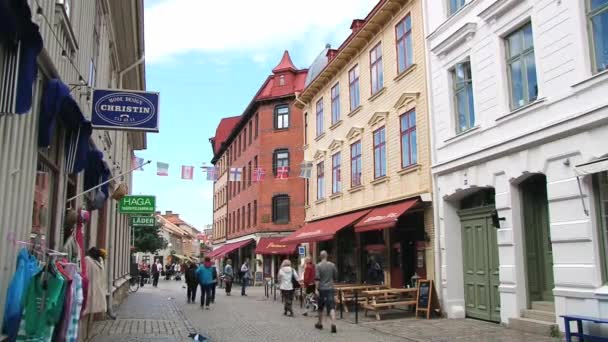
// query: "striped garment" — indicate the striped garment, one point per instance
point(72, 334)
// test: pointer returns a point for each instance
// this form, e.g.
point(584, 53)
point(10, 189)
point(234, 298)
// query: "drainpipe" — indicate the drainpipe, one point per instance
point(125, 70)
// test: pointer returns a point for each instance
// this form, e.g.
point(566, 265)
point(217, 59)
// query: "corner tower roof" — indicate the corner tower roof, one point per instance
point(285, 64)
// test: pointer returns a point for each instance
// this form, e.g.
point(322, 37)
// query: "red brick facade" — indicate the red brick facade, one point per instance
point(256, 138)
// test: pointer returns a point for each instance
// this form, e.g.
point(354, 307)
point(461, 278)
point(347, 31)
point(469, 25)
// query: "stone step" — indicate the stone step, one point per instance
point(534, 326)
point(544, 306)
point(539, 315)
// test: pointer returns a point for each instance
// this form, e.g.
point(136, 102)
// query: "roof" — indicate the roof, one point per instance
point(172, 228)
point(285, 64)
point(317, 65)
point(223, 131)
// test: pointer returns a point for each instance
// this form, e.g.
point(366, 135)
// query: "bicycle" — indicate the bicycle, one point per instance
point(134, 283)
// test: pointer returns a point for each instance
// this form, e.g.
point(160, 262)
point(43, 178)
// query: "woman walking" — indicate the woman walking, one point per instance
point(287, 278)
point(191, 282)
point(228, 276)
point(309, 285)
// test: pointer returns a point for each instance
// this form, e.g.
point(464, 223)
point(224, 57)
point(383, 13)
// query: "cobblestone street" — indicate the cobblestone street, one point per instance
point(162, 314)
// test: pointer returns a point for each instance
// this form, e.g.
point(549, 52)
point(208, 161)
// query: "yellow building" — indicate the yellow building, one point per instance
point(368, 144)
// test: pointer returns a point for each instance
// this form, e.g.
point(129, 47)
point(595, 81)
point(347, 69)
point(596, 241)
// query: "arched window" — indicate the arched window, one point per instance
point(280, 209)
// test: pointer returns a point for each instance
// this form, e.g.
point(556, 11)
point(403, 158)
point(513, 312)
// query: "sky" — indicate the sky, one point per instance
point(207, 59)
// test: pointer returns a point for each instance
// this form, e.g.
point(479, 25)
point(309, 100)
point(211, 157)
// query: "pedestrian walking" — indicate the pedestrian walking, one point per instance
point(288, 280)
point(204, 275)
point(178, 272)
point(228, 276)
point(309, 284)
point(245, 276)
point(191, 282)
point(156, 269)
point(144, 272)
point(213, 283)
point(326, 274)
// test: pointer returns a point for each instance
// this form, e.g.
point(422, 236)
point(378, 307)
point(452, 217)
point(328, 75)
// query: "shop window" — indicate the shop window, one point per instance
point(601, 189)
point(280, 209)
point(597, 15)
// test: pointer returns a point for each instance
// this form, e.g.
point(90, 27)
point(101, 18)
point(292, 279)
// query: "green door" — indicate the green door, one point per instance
point(481, 266)
point(539, 255)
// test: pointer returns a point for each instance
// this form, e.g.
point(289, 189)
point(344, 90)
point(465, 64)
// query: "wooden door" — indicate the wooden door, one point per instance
point(480, 265)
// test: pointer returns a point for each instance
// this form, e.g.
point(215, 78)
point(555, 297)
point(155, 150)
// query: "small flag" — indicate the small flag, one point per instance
point(258, 174)
point(282, 172)
point(236, 174)
point(162, 169)
point(187, 172)
point(137, 163)
point(211, 172)
point(306, 170)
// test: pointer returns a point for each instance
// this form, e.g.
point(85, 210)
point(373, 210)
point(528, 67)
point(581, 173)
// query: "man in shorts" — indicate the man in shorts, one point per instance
point(326, 274)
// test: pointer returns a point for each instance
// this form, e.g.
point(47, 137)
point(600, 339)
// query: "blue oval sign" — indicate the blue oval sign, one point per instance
point(126, 110)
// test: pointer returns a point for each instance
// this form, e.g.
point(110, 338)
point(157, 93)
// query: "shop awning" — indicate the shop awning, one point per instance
point(325, 229)
point(273, 245)
point(179, 256)
point(384, 217)
point(229, 247)
point(216, 251)
point(595, 166)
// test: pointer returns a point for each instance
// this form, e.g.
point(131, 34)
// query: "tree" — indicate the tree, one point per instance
point(148, 239)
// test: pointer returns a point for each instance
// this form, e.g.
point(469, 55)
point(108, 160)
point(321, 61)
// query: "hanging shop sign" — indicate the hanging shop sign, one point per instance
point(137, 205)
point(120, 109)
point(143, 221)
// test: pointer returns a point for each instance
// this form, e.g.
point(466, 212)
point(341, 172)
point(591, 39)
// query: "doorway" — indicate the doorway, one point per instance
point(480, 257)
point(538, 249)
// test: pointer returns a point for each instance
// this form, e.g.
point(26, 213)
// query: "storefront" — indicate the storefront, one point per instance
point(272, 252)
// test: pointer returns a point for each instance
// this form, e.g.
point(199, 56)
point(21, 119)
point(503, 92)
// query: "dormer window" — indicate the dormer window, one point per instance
point(282, 80)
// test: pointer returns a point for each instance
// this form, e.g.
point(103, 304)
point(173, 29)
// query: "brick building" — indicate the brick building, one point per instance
point(368, 142)
point(258, 186)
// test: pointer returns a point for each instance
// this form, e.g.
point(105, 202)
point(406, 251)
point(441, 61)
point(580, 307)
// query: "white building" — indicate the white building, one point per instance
point(518, 101)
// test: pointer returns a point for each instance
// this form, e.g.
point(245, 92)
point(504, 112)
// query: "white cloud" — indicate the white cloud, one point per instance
point(175, 27)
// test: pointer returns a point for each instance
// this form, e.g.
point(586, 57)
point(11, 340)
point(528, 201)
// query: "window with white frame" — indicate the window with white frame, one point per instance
point(521, 66)
point(597, 13)
point(455, 6)
point(462, 85)
point(281, 117)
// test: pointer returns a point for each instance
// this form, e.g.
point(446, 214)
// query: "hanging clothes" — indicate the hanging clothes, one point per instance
point(43, 306)
point(96, 301)
point(74, 320)
point(67, 271)
point(83, 264)
point(27, 267)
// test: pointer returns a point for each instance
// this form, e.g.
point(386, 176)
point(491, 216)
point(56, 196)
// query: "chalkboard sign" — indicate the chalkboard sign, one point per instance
point(258, 278)
point(426, 299)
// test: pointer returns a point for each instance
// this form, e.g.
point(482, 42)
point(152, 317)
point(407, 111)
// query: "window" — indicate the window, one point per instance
point(379, 153)
point(375, 68)
point(405, 51)
point(336, 181)
point(238, 142)
point(257, 127)
point(244, 139)
point(353, 87)
point(282, 80)
point(598, 21)
point(335, 103)
point(320, 181)
point(280, 209)
point(455, 5)
point(305, 128)
point(243, 217)
point(250, 132)
point(320, 117)
point(255, 212)
point(463, 96)
point(521, 66)
point(248, 215)
point(249, 174)
point(255, 162)
point(281, 117)
point(280, 159)
point(355, 164)
point(238, 219)
point(409, 148)
point(601, 189)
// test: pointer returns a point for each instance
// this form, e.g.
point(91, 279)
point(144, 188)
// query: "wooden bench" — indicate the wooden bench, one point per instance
point(579, 323)
point(384, 299)
point(347, 293)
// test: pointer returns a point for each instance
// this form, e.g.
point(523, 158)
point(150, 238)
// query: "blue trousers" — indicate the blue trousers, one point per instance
point(206, 294)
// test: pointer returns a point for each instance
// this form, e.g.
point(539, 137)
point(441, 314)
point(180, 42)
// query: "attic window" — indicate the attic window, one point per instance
point(282, 80)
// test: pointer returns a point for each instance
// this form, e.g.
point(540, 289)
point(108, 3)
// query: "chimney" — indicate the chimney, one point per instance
point(331, 54)
point(169, 212)
point(357, 25)
point(157, 213)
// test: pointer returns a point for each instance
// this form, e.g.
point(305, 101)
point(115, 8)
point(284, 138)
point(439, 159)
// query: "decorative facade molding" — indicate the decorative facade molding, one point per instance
point(456, 39)
point(377, 118)
point(335, 144)
point(406, 98)
point(497, 9)
point(354, 133)
point(320, 154)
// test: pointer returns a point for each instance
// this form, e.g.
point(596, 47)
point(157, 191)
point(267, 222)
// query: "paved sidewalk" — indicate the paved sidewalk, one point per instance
point(162, 314)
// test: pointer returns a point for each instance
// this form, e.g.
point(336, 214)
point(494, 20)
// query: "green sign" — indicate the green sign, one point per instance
point(137, 205)
point(143, 221)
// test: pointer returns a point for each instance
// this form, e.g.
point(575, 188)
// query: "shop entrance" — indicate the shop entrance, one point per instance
point(539, 254)
point(480, 256)
point(408, 250)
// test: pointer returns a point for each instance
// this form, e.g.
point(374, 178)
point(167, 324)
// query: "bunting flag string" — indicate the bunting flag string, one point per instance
point(235, 174)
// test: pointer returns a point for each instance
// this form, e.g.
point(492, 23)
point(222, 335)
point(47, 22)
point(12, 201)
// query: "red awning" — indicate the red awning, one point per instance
point(325, 229)
point(227, 248)
point(385, 216)
point(273, 245)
